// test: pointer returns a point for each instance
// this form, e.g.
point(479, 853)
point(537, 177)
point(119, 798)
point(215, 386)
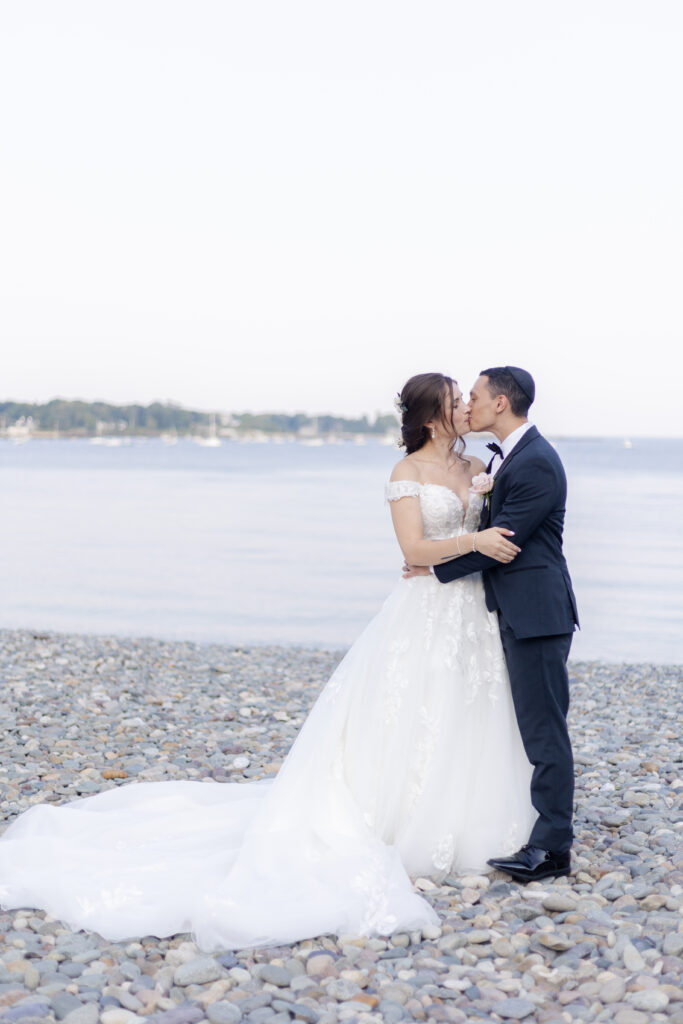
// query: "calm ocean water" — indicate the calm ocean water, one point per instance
point(289, 543)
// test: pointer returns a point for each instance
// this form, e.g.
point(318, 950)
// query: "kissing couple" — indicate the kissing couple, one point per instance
point(438, 746)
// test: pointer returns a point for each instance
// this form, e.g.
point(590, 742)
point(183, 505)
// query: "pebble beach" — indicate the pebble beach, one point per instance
point(84, 713)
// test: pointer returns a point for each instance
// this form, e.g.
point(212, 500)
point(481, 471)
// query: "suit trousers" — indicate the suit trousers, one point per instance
point(540, 693)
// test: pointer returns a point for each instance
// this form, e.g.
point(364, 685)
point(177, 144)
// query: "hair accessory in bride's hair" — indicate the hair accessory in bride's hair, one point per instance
point(400, 406)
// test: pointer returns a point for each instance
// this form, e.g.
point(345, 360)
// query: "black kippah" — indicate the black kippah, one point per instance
point(524, 380)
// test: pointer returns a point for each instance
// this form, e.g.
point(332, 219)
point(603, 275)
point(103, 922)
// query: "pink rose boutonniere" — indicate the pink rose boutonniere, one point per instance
point(482, 484)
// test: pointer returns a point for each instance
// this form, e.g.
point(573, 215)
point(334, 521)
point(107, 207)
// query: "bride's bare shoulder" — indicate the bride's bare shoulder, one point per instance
point(405, 469)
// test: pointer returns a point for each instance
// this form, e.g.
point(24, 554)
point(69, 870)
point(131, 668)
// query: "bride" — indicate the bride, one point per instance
point(410, 763)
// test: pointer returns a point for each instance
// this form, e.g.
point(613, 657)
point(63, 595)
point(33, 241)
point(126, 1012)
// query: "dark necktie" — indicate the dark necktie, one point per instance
point(497, 450)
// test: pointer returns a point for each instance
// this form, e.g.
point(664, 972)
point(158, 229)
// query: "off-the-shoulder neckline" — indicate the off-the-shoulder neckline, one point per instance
point(442, 487)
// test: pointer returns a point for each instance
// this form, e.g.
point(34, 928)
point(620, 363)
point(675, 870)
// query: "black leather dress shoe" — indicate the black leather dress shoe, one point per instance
point(532, 863)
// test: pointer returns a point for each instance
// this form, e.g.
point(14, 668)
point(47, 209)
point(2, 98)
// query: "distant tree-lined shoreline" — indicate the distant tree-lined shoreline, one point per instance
point(64, 418)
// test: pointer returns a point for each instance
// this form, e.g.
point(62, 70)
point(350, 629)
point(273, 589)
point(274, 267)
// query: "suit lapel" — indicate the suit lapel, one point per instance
point(530, 435)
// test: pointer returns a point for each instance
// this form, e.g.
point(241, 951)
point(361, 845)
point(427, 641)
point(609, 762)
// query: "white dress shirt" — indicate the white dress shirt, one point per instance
point(508, 444)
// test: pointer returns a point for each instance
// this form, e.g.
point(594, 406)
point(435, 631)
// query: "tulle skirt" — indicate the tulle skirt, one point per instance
point(410, 763)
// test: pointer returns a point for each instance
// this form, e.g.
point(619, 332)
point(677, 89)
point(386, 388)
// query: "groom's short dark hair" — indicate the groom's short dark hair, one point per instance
point(502, 382)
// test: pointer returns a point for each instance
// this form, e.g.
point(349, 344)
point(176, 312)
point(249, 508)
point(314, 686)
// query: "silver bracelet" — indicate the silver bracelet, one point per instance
point(474, 541)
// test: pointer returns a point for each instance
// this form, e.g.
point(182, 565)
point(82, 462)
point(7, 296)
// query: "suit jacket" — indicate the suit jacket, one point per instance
point(534, 592)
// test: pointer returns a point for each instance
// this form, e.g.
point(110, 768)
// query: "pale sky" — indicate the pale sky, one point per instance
point(294, 205)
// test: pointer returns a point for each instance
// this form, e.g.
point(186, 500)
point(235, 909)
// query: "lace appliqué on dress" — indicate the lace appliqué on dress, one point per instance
point(424, 752)
point(111, 898)
point(512, 839)
point(373, 883)
point(396, 681)
point(444, 852)
point(334, 685)
point(397, 489)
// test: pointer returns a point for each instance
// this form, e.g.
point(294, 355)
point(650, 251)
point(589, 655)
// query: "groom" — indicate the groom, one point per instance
point(535, 603)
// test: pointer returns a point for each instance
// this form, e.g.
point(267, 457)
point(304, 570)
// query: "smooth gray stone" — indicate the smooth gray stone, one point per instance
point(275, 975)
point(283, 1001)
point(87, 1014)
point(9, 986)
point(224, 1012)
point(127, 999)
point(24, 1010)
point(613, 893)
point(261, 1015)
point(71, 969)
point(129, 970)
point(88, 995)
point(616, 818)
point(68, 944)
point(256, 1001)
point(295, 967)
point(109, 1001)
point(52, 985)
point(63, 1003)
point(199, 971)
point(393, 1012)
point(468, 912)
point(577, 1011)
point(673, 944)
point(514, 1008)
point(527, 912)
point(86, 957)
point(447, 993)
point(227, 960)
point(575, 954)
point(305, 1013)
point(629, 847)
point(600, 918)
point(424, 978)
point(144, 981)
point(342, 989)
point(186, 1013)
point(92, 982)
point(45, 967)
point(500, 889)
point(31, 1020)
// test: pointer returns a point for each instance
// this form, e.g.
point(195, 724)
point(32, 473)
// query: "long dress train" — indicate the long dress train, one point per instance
point(410, 763)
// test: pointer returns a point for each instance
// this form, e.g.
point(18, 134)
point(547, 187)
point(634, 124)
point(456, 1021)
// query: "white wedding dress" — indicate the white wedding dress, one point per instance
point(410, 763)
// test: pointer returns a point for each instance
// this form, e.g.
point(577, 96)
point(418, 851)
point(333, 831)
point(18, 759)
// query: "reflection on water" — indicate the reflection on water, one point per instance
point(293, 544)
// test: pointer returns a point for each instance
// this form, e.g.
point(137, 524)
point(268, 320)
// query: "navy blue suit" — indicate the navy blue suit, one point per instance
point(537, 613)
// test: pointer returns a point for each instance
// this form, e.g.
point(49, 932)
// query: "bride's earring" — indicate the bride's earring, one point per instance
point(433, 433)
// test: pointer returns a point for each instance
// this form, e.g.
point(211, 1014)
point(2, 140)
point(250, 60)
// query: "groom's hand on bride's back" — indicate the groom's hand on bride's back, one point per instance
point(415, 570)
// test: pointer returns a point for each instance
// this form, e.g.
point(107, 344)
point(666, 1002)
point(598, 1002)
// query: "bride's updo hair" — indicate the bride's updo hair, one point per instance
point(423, 398)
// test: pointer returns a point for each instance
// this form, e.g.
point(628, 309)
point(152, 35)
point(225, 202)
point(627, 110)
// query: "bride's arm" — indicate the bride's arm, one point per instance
point(407, 519)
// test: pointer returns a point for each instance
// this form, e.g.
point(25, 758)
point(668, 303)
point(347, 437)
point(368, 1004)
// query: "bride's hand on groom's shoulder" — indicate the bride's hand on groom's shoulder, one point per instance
point(494, 543)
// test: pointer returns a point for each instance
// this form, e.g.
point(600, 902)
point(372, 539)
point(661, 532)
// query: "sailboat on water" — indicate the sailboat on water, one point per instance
point(212, 440)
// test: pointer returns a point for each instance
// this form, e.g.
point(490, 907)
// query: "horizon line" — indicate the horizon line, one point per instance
point(172, 403)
